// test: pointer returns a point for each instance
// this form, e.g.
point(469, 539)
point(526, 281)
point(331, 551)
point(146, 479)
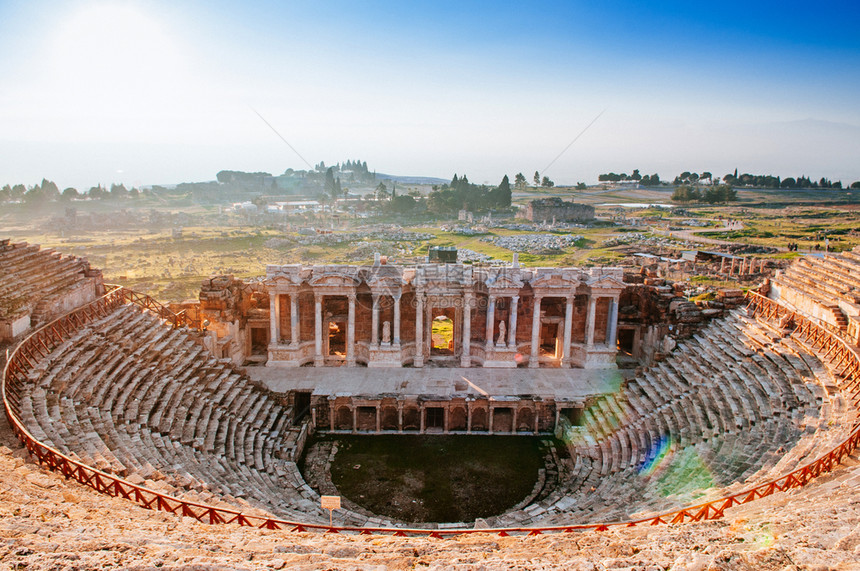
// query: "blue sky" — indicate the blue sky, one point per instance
point(158, 92)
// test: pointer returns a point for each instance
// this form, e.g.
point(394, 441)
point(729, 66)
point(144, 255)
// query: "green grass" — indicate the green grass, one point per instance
point(443, 329)
point(436, 478)
point(706, 281)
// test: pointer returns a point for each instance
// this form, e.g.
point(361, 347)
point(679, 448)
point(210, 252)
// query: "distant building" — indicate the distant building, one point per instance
point(299, 206)
point(443, 255)
point(245, 207)
point(556, 209)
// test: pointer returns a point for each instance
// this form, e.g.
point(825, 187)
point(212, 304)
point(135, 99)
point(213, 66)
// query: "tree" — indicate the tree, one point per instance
point(536, 178)
point(50, 190)
point(707, 175)
point(34, 195)
point(686, 193)
point(547, 183)
point(502, 195)
point(118, 191)
point(381, 190)
point(6, 193)
point(729, 193)
point(70, 194)
point(403, 204)
point(855, 185)
point(519, 181)
point(636, 175)
point(788, 183)
point(581, 186)
point(721, 193)
point(97, 192)
point(653, 180)
point(18, 191)
point(329, 182)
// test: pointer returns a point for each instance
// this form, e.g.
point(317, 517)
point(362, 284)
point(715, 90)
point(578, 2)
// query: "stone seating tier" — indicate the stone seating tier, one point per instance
point(827, 281)
point(737, 404)
point(131, 396)
point(39, 277)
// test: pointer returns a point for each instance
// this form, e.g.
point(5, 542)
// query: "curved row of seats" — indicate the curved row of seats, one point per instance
point(37, 276)
point(825, 280)
point(130, 395)
point(736, 405)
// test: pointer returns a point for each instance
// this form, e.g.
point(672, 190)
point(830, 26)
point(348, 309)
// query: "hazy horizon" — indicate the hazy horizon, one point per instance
point(149, 92)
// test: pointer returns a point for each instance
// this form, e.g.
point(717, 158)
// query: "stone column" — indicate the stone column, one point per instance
point(512, 323)
point(378, 420)
point(734, 264)
point(469, 417)
point(331, 414)
point(589, 320)
point(374, 323)
point(294, 319)
point(274, 320)
point(490, 418)
point(419, 330)
point(319, 359)
point(445, 421)
point(400, 417)
point(354, 418)
point(537, 418)
point(350, 333)
point(491, 317)
point(612, 333)
point(723, 265)
point(568, 327)
point(515, 415)
point(465, 357)
point(535, 350)
point(422, 411)
point(395, 335)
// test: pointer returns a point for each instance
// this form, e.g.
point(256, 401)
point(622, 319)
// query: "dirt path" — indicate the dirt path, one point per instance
point(692, 235)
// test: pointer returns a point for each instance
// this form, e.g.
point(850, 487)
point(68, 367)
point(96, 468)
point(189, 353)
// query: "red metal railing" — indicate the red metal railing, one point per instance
point(39, 344)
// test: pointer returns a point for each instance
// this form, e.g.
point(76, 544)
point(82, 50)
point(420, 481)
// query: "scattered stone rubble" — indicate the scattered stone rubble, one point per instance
point(366, 250)
point(334, 238)
point(461, 230)
point(540, 226)
point(645, 240)
point(534, 243)
point(464, 255)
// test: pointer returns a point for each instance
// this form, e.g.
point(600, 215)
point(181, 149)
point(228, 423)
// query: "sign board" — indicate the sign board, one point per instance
point(330, 502)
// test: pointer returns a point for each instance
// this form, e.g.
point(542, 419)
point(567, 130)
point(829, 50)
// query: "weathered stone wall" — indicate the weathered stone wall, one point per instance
point(549, 209)
point(37, 286)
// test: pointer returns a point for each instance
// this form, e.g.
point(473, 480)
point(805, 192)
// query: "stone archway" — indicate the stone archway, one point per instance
point(479, 420)
point(525, 420)
point(411, 418)
point(457, 419)
point(343, 418)
point(389, 418)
